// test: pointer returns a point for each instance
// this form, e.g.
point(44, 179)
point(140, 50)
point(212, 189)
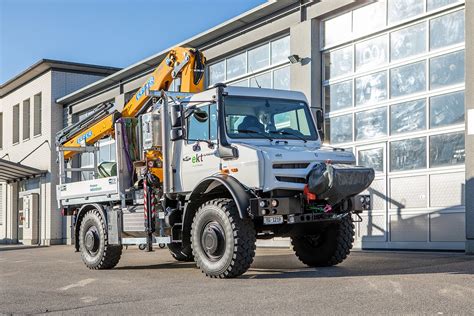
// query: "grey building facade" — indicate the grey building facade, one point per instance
point(390, 76)
point(29, 120)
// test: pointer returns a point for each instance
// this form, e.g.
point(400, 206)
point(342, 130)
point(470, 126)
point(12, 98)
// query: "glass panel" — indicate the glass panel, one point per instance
point(408, 42)
point(196, 129)
point(369, 18)
point(216, 73)
point(371, 88)
point(399, 10)
point(371, 53)
point(240, 83)
point(447, 30)
point(408, 154)
point(213, 121)
point(370, 124)
point(104, 153)
point(435, 4)
point(338, 29)
point(371, 158)
point(338, 62)
point(407, 117)
point(338, 96)
point(259, 57)
point(262, 81)
point(447, 109)
point(236, 66)
point(281, 78)
point(447, 150)
point(280, 50)
point(447, 70)
point(407, 79)
point(340, 129)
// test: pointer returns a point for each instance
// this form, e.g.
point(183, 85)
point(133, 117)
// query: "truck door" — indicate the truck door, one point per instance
point(199, 157)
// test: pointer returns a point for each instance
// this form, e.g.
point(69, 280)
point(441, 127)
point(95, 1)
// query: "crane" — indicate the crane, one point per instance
point(180, 62)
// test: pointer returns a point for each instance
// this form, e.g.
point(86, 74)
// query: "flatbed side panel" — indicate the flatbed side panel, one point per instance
point(88, 188)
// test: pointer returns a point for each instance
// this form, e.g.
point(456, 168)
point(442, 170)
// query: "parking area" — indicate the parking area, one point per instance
point(54, 280)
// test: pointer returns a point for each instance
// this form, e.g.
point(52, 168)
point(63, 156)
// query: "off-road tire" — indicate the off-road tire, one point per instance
point(330, 247)
point(181, 254)
point(237, 247)
point(107, 256)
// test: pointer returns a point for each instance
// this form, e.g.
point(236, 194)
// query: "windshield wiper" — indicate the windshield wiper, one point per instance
point(250, 131)
point(288, 133)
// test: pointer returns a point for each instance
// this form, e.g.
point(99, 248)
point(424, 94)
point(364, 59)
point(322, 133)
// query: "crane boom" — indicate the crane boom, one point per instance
point(180, 62)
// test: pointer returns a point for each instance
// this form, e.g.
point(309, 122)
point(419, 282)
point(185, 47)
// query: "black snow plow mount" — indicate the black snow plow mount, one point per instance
point(337, 182)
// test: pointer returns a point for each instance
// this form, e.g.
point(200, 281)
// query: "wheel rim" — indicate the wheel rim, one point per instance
point(213, 241)
point(92, 240)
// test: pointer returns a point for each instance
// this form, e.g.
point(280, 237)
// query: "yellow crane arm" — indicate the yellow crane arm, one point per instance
point(181, 62)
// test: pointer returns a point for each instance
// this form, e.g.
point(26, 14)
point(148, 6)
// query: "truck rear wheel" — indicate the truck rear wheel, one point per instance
point(93, 244)
point(179, 253)
point(223, 243)
point(328, 248)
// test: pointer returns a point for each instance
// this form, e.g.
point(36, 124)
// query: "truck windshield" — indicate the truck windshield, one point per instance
point(257, 117)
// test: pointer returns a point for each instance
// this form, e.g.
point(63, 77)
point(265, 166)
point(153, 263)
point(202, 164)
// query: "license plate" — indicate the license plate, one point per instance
point(272, 220)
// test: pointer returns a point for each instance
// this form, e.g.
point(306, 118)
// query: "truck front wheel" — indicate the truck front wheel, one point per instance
point(93, 244)
point(330, 247)
point(223, 243)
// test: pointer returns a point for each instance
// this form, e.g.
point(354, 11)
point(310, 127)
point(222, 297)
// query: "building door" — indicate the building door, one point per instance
point(21, 220)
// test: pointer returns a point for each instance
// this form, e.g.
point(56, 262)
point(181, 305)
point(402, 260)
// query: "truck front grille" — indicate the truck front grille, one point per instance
point(302, 165)
point(291, 179)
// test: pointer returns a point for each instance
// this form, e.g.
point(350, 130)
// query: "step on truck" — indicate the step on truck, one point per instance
point(207, 173)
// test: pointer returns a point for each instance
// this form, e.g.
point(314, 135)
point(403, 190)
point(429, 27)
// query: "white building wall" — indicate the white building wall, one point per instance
point(39, 151)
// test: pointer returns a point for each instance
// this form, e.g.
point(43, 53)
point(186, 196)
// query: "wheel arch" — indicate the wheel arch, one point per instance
point(219, 184)
point(80, 215)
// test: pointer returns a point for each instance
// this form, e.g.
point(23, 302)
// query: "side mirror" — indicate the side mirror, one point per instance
point(320, 123)
point(200, 115)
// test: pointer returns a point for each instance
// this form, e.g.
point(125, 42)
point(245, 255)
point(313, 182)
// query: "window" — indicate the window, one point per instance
point(340, 130)
point(447, 149)
point(371, 53)
point(371, 158)
point(261, 81)
point(338, 29)
point(216, 73)
point(240, 83)
point(370, 124)
point(338, 96)
point(408, 117)
point(399, 10)
point(254, 117)
point(371, 88)
point(281, 78)
point(280, 50)
point(447, 70)
point(408, 42)
point(435, 4)
point(407, 79)
point(1, 130)
point(26, 119)
point(408, 154)
point(203, 130)
point(338, 62)
point(447, 109)
point(369, 18)
point(37, 114)
point(447, 30)
point(236, 66)
point(259, 57)
point(16, 124)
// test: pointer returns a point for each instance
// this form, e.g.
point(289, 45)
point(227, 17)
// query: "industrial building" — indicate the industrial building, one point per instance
point(29, 120)
point(390, 76)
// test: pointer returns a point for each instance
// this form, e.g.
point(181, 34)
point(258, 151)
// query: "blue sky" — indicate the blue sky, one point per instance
point(105, 32)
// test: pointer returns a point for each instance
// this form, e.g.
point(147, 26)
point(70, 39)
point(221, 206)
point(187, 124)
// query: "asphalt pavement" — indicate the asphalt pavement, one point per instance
point(54, 280)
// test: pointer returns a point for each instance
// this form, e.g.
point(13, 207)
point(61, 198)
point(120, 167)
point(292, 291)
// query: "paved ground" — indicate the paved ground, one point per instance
point(54, 280)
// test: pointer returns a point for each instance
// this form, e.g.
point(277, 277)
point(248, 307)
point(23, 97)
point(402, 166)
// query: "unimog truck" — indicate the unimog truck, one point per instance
point(208, 174)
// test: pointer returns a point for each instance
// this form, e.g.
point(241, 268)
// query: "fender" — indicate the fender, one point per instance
point(239, 193)
point(78, 220)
